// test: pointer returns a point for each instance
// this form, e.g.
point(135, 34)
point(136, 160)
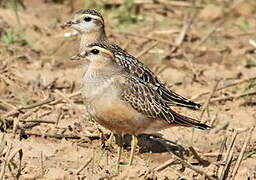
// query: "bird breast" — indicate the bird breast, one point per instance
point(94, 87)
point(99, 80)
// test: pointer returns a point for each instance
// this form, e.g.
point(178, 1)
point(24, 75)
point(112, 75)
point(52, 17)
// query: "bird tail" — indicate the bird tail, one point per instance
point(173, 99)
point(189, 122)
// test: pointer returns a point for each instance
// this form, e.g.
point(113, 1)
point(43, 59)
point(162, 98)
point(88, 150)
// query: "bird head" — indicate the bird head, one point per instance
point(86, 21)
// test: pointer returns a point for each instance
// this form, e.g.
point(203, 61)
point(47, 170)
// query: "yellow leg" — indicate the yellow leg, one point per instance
point(133, 147)
point(120, 145)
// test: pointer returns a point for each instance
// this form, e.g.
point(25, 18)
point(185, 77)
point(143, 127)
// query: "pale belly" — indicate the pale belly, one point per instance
point(106, 107)
point(115, 115)
point(118, 116)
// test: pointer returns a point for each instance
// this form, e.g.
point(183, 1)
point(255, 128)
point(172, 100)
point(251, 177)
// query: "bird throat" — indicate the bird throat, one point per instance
point(91, 38)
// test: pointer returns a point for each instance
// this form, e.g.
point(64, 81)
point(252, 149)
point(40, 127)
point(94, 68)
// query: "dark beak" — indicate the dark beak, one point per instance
point(68, 24)
point(75, 57)
point(78, 56)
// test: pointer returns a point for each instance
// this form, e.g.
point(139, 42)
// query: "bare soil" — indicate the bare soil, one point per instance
point(44, 118)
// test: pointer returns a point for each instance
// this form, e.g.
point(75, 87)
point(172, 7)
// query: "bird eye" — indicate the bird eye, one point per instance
point(95, 51)
point(87, 19)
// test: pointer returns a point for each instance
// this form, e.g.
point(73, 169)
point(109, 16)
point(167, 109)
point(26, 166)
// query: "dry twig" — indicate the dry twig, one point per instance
point(42, 163)
point(164, 2)
point(6, 161)
point(200, 160)
point(164, 165)
point(226, 169)
point(197, 170)
point(146, 37)
point(146, 50)
point(226, 86)
point(222, 147)
point(240, 157)
point(19, 150)
point(60, 136)
point(178, 3)
point(232, 97)
point(213, 119)
point(31, 106)
point(209, 98)
point(64, 96)
point(188, 165)
point(84, 166)
point(38, 121)
point(220, 154)
point(68, 96)
point(228, 157)
point(7, 104)
point(185, 29)
point(217, 25)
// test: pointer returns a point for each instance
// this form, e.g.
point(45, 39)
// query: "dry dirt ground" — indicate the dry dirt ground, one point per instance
point(45, 132)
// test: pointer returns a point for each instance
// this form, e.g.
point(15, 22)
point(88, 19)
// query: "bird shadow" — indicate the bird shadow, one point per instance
point(153, 144)
point(157, 144)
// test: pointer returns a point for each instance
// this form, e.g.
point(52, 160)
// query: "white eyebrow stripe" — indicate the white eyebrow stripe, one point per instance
point(93, 17)
point(102, 50)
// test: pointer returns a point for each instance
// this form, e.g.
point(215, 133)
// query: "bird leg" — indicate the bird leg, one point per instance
point(133, 147)
point(120, 145)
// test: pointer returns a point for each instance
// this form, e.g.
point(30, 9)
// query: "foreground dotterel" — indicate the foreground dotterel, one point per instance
point(122, 97)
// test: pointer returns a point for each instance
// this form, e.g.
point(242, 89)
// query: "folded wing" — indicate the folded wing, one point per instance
point(139, 70)
point(145, 100)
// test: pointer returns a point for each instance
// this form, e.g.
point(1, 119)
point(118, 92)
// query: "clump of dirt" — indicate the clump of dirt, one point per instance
point(46, 132)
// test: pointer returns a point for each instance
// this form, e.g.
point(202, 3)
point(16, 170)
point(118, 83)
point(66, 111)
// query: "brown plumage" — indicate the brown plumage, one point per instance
point(93, 31)
point(121, 93)
point(147, 101)
point(139, 89)
point(121, 98)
